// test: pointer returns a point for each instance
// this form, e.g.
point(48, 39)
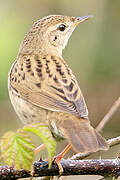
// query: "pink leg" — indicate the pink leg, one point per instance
point(58, 158)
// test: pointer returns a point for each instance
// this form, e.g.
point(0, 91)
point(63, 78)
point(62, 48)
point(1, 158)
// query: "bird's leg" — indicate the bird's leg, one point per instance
point(39, 148)
point(58, 158)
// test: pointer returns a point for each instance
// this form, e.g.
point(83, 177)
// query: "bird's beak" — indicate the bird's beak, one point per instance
point(80, 19)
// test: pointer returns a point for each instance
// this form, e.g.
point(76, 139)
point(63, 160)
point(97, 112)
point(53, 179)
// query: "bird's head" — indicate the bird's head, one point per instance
point(51, 34)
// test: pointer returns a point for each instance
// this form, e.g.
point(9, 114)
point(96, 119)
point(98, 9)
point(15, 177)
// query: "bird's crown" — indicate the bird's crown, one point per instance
point(50, 34)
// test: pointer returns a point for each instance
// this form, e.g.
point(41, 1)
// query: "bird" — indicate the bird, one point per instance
point(43, 88)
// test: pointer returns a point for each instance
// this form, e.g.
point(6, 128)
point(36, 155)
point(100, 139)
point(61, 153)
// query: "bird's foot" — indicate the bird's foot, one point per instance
point(59, 157)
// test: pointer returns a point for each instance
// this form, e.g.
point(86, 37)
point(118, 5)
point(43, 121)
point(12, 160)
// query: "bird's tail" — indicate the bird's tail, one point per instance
point(82, 136)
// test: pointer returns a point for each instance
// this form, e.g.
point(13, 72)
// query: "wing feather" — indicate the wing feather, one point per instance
point(56, 90)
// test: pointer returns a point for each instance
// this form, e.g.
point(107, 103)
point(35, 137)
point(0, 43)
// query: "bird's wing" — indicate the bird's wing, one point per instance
point(49, 83)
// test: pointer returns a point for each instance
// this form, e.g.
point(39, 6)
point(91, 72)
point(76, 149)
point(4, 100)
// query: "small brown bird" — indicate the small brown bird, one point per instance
point(42, 87)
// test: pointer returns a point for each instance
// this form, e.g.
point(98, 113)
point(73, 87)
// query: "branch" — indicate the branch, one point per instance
point(110, 113)
point(10, 173)
point(105, 168)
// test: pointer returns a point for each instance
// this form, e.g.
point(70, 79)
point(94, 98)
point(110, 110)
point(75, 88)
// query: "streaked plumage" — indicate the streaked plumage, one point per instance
point(42, 87)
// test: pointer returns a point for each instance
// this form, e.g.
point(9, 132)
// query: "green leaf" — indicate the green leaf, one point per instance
point(45, 134)
point(17, 149)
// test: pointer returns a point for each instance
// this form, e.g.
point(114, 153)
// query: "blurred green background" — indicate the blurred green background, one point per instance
point(93, 53)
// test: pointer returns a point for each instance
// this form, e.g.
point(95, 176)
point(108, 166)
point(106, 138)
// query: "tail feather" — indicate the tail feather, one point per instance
point(82, 136)
point(101, 141)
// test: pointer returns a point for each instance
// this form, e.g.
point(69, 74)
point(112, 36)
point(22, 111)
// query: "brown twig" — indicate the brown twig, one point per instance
point(10, 173)
point(114, 141)
point(107, 117)
point(105, 168)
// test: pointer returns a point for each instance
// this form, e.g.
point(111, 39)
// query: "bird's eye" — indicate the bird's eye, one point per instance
point(62, 27)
